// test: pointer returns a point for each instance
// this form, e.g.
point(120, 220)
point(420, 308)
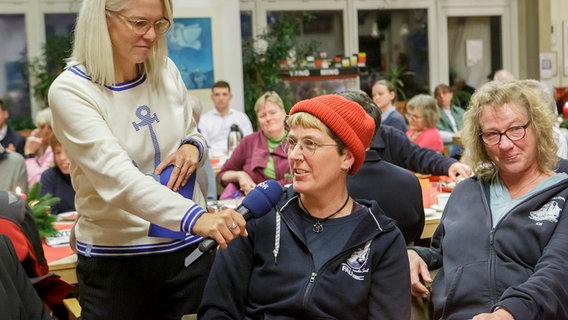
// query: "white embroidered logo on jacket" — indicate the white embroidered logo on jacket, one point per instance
point(354, 266)
point(548, 212)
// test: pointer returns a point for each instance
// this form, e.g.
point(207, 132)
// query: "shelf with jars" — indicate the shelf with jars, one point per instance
point(320, 76)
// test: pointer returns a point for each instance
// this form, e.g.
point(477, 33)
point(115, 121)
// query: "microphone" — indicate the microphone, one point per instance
point(258, 202)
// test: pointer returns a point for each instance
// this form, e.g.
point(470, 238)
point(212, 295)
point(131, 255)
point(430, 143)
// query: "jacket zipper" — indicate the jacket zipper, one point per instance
point(492, 288)
point(309, 288)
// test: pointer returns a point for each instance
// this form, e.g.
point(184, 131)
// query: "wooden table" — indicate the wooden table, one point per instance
point(431, 188)
point(65, 268)
point(430, 225)
point(61, 260)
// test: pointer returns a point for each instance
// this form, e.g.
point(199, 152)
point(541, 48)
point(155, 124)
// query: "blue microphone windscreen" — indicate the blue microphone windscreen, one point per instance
point(187, 190)
point(263, 198)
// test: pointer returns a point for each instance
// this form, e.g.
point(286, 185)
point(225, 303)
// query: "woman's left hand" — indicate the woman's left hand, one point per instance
point(185, 161)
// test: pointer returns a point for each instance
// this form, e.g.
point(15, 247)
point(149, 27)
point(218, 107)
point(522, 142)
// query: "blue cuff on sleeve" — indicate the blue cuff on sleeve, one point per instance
point(196, 143)
point(191, 216)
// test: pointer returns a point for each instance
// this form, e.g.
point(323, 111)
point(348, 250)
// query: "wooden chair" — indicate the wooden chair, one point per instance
point(73, 307)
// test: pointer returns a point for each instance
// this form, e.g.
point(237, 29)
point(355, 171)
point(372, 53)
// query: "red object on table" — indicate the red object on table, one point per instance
point(431, 187)
point(55, 253)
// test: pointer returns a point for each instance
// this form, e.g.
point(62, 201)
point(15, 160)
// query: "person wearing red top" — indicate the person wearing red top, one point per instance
point(422, 114)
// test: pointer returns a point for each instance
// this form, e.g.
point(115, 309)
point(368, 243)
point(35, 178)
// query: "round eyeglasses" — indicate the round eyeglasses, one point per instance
point(142, 26)
point(513, 133)
point(307, 147)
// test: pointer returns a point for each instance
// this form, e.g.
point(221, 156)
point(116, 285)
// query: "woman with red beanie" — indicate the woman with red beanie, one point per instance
point(320, 254)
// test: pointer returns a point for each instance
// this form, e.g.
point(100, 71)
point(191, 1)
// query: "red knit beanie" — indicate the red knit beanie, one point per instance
point(347, 119)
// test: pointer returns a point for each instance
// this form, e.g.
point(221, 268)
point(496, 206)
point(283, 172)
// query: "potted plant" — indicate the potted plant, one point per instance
point(262, 57)
point(396, 75)
point(45, 68)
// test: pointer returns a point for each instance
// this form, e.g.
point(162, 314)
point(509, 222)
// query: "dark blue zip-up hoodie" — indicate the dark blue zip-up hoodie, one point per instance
point(519, 265)
point(271, 274)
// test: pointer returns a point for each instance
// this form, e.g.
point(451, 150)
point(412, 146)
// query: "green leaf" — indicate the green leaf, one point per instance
point(41, 210)
point(262, 66)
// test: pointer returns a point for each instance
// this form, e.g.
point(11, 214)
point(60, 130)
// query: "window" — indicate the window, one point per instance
point(396, 38)
point(59, 24)
point(14, 85)
point(323, 27)
point(246, 26)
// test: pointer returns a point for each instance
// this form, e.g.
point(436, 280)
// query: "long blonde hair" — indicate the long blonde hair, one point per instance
point(92, 46)
point(494, 95)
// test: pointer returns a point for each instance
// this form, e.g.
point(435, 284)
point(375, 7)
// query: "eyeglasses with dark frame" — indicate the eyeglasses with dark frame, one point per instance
point(515, 133)
point(307, 147)
point(142, 26)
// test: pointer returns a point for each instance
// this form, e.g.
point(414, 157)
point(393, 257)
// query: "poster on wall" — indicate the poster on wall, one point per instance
point(474, 52)
point(546, 65)
point(190, 46)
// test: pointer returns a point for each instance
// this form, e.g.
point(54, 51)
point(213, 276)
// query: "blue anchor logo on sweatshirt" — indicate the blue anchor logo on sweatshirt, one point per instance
point(146, 119)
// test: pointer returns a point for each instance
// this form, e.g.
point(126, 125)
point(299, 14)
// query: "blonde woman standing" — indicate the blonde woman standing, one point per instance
point(122, 113)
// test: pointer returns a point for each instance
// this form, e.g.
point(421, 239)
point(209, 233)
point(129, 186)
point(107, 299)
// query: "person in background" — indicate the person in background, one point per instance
point(122, 114)
point(450, 122)
point(422, 115)
point(259, 156)
point(17, 222)
point(503, 75)
point(57, 180)
point(39, 155)
point(9, 139)
point(13, 171)
point(215, 124)
point(384, 95)
point(540, 88)
point(400, 194)
point(18, 298)
point(313, 92)
point(395, 147)
point(501, 243)
point(462, 92)
point(323, 242)
point(205, 174)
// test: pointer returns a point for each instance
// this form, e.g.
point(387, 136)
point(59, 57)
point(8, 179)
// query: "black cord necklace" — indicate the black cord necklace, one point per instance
point(318, 225)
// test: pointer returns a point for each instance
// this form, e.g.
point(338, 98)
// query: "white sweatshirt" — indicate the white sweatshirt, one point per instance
point(114, 135)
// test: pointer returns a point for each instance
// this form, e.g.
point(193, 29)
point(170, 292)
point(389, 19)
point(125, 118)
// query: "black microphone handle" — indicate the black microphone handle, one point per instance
point(209, 244)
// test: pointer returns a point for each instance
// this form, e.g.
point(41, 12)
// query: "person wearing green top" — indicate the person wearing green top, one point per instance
point(259, 156)
point(450, 122)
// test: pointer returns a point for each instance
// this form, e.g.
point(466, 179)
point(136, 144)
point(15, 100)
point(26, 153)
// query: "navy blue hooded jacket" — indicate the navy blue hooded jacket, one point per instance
point(271, 275)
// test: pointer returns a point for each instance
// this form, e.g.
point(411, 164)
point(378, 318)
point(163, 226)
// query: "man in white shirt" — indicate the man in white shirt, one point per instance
point(215, 125)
